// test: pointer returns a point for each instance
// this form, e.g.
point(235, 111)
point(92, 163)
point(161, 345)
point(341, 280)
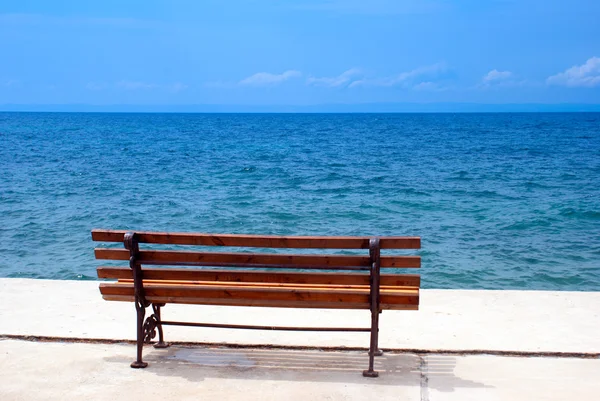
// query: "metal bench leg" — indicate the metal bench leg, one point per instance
point(374, 252)
point(161, 341)
point(373, 348)
point(141, 312)
point(130, 241)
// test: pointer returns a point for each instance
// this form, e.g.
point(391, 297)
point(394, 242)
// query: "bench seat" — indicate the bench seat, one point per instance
point(251, 288)
point(263, 294)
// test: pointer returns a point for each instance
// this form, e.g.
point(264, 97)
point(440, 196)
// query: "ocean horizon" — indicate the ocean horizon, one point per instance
point(500, 200)
point(327, 108)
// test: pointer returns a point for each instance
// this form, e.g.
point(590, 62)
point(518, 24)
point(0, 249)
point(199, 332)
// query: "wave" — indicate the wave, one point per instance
point(580, 214)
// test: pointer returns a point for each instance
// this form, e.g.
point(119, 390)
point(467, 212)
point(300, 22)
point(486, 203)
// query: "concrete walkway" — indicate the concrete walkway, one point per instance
point(67, 371)
point(525, 321)
point(472, 321)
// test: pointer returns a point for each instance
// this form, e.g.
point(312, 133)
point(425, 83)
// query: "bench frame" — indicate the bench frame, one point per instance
point(147, 327)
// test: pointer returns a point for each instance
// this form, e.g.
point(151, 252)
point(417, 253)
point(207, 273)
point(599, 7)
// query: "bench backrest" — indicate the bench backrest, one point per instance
point(343, 265)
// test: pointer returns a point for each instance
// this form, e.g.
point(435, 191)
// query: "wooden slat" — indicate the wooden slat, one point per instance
point(255, 259)
point(325, 287)
point(258, 241)
point(258, 276)
point(409, 262)
point(261, 287)
point(258, 302)
point(272, 294)
point(243, 302)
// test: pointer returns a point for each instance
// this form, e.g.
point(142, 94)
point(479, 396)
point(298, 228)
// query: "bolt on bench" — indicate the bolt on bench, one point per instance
point(290, 280)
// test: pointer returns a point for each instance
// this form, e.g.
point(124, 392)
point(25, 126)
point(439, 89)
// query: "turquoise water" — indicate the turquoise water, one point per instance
point(500, 200)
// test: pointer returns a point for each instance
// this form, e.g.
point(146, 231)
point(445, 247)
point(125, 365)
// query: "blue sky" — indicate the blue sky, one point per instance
point(299, 52)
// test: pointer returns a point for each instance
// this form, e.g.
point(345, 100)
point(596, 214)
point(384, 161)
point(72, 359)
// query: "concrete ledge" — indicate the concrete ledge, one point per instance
point(449, 320)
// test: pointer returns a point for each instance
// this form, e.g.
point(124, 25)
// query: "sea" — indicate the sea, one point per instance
point(501, 201)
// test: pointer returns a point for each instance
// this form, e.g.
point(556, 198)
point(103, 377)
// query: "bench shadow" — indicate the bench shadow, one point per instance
point(197, 363)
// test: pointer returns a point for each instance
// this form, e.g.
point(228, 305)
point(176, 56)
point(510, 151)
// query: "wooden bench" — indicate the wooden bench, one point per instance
point(283, 280)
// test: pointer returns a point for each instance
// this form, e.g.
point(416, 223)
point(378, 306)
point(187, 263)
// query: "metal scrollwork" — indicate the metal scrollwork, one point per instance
point(150, 328)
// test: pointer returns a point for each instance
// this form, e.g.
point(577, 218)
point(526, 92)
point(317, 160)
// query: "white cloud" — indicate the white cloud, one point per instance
point(176, 87)
point(135, 85)
point(408, 79)
point(586, 75)
point(495, 79)
point(95, 86)
point(266, 78)
point(497, 76)
point(422, 78)
point(9, 83)
point(429, 87)
point(333, 82)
